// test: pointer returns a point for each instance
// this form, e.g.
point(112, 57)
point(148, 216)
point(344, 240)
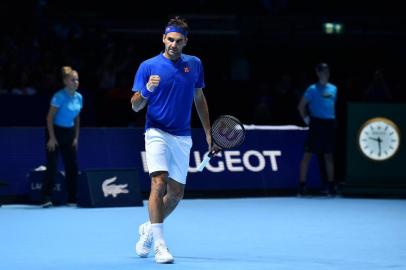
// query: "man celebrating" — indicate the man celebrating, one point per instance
point(168, 84)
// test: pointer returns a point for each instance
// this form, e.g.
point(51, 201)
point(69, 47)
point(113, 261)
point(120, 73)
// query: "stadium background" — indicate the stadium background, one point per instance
point(253, 52)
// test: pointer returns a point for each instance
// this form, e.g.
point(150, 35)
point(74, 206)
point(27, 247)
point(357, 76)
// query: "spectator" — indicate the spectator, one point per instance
point(378, 90)
point(285, 99)
point(3, 89)
point(24, 88)
point(263, 107)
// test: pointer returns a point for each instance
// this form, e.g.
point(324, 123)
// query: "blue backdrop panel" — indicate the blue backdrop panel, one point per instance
point(269, 159)
point(109, 187)
point(23, 149)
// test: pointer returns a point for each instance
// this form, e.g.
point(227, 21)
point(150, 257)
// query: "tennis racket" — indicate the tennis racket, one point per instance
point(226, 132)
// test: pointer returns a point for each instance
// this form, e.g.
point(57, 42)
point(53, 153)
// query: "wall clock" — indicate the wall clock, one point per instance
point(379, 138)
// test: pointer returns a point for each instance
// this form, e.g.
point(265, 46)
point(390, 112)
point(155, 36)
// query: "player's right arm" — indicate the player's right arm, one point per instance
point(139, 99)
point(138, 102)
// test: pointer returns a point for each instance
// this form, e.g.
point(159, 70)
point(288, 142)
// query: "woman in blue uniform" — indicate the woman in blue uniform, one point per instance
point(62, 135)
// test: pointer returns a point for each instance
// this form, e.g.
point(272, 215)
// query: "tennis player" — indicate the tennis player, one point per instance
point(168, 84)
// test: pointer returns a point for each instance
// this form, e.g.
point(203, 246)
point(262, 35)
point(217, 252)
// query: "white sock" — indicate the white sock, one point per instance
point(158, 233)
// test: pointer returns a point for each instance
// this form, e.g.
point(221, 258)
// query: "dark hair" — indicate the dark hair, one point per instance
point(179, 22)
point(322, 66)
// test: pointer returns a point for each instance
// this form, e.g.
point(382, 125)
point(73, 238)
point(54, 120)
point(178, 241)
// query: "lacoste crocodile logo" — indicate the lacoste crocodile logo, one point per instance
point(113, 189)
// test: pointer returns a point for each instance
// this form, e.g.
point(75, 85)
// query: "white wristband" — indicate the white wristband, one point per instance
point(145, 93)
point(146, 86)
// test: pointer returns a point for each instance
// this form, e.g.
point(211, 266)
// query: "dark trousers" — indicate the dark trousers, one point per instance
point(65, 137)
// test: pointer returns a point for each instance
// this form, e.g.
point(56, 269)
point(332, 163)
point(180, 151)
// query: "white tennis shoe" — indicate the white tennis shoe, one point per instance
point(144, 244)
point(162, 254)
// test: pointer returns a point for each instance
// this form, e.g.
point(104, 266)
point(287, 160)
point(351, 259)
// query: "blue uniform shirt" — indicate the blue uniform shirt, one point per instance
point(321, 100)
point(68, 107)
point(170, 105)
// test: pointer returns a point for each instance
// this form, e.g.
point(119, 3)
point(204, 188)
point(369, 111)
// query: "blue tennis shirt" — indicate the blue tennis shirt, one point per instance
point(321, 100)
point(170, 105)
point(68, 107)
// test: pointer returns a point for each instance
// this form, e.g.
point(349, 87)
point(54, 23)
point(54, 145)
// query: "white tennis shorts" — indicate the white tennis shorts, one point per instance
point(167, 152)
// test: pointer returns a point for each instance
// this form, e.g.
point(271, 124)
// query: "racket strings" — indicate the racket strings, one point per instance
point(228, 132)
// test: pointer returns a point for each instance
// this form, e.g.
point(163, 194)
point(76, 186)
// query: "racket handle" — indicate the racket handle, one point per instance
point(204, 163)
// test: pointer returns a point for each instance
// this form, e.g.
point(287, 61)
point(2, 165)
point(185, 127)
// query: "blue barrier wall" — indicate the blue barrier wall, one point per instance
point(269, 158)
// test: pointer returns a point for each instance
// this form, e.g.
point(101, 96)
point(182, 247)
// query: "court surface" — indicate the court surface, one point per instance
point(250, 233)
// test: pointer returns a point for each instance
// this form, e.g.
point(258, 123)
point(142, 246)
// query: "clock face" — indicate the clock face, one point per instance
point(379, 139)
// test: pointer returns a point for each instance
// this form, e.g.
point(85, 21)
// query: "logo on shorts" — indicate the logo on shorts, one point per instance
point(113, 189)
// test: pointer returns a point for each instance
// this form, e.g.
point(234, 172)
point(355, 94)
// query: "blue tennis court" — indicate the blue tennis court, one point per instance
point(250, 233)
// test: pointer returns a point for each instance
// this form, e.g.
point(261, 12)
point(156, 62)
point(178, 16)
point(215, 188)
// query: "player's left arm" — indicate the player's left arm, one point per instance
point(203, 112)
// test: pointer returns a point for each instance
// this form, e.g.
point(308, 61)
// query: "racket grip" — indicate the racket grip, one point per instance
point(204, 163)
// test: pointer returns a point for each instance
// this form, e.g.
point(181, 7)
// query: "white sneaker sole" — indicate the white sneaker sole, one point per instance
point(141, 254)
point(164, 261)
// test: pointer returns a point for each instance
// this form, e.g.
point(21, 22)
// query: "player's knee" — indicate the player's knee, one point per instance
point(158, 186)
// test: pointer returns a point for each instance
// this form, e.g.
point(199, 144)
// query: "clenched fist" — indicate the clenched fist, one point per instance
point(153, 82)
